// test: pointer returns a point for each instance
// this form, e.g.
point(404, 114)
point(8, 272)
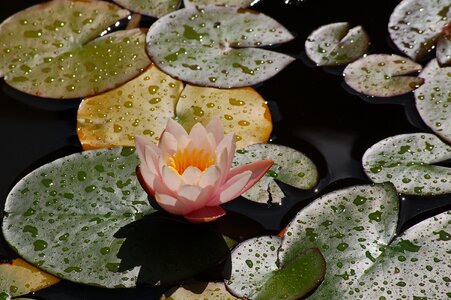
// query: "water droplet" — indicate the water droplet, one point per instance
point(40, 245)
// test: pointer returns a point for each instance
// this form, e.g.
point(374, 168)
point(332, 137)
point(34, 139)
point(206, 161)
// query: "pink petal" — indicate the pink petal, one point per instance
point(174, 128)
point(190, 193)
point(216, 128)
point(231, 189)
point(258, 169)
point(140, 145)
point(228, 142)
point(194, 197)
point(205, 214)
point(210, 177)
point(168, 143)
point(151, 158)
point(191, 175)
point(222, 161)
point(171, 178)
point(198, 136)
point(171, 204)
point(146, 179)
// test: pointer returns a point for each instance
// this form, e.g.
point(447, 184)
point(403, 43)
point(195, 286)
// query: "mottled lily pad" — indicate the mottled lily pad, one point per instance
point(257, 274)
point(433, 99)
point(210, 290)
point(240, 3)
point(416, 265)
point(63, 216)
point(49, 49)
point(242, 111)
point(154, 8)
point(407, 161)
point(350, 226)
point(416, 25)
point(216, 46)
point(336, 44)
point(290, 166)
point(142, 106)
point(382, 75)
point(20, 278)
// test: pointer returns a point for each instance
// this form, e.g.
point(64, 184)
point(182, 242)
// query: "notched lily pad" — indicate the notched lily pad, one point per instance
point(240, 3)
point(154, 8)
point(336, 44)
point(208, 290)
point(20, 278)
point(290, 166)
point(142, 106)
point(416, 25)
point(63, 216)
point(242, 111)
point(216, 46)
point(407, 161)
point(350, 226)
point(415, 265)
point(433, 99)
point(383, 75)
point(257, 274)
point(49, 50)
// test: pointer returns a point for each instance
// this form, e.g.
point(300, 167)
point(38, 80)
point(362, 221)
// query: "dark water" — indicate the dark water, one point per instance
point(313, 111)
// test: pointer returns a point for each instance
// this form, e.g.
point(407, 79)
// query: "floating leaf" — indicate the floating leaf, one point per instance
point(140, 107)
point(415, 25)
point(407, 161)
point(256, 273)
point(240, 3)
point(20, 278)
point(335, 44)
point(63, 216)
point(48, 49)
point(154, 8)
point(350, 226)
point(290, 167)
point(416, 265)
point(433, 97)
point(210, 290)
point(242, 111)
point(212, 46)
point(382, 75)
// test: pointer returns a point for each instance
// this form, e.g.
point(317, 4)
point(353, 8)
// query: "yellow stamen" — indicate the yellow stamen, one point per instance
point(198, 158)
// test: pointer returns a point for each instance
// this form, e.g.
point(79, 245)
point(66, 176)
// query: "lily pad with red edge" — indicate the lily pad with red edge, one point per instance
point(218, 46)
point(409, 162)
point(415, 26)
point(142, 106)
point(350, 226)
point(240, 3)
point(242, 111)
point(257, 274)
point(63, 216)
point(290, 167)
point(383, 75)
point(415, 265)
point(336, 44)
point(20, 278)
point(207, 290)
point(432, 99)
point(50, 50)
point(154, 8)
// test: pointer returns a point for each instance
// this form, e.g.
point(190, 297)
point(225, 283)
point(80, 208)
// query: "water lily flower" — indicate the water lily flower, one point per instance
point(191, 174)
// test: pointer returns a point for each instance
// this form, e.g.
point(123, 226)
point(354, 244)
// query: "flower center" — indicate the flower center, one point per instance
point(198, 158)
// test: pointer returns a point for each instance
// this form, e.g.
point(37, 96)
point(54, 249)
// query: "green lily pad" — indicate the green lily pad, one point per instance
point(240, 3)
point(290, 166)
point(407, 161)
point(416, 25)
point(49, 49)
point(215, 46)
point(256, 273)
point(336, 44)
point(199, 291)
point(154, 8)
point(416, 265)
point(349, 226)
point(63, 216)
point(382, 75)
point(20, 278)
point(433, 97)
